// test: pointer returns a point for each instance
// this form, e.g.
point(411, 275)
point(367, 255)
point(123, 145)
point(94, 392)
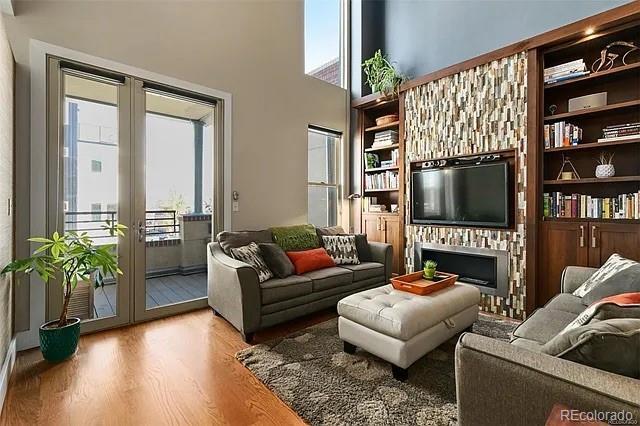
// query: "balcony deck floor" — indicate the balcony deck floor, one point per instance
point(160, 291)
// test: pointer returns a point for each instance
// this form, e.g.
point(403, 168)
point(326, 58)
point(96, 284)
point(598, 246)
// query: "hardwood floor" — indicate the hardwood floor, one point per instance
point(178, 370)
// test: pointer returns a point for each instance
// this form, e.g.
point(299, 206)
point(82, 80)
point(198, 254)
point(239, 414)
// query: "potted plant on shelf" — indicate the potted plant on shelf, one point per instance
point(381, 75)
point(429, 269)
point(605, 168)
point(70, 258)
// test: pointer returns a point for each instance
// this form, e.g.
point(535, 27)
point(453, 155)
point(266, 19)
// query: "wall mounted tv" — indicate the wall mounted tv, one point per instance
point(477, 195)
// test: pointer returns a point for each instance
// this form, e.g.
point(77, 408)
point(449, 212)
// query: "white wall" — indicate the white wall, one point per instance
point(251, 49)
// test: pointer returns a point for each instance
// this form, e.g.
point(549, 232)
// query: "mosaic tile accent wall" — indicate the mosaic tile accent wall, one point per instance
point(478, 110)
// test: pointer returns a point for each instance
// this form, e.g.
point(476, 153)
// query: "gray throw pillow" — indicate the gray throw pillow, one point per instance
point(250, 254)
point(277, 260)
point(235, 239)
point(612, 345)
point(329, 230)
point(342, 249)
point(611, 267)
point(625, 281)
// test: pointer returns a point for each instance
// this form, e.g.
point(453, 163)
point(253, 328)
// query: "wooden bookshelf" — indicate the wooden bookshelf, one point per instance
point(593, 145)
point(564, 241)
point(596, 110)
point(393, 125)
point(387, 227)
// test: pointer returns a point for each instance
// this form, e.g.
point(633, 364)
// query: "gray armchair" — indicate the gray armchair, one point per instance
point(236, 294)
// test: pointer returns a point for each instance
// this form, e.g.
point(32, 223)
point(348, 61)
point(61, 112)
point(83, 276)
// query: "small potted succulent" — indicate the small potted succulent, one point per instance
point(69, 258)
point(430, 269)
point(605, 168)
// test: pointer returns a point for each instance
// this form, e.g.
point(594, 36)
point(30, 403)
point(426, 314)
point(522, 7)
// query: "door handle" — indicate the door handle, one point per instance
point(581, 235)
point(142, 229)
point(593, 237)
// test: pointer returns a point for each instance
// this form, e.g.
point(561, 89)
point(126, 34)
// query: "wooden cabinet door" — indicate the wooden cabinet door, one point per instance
point(608, 238)
point(391, 230)
point(563, 244)
point(372, 226)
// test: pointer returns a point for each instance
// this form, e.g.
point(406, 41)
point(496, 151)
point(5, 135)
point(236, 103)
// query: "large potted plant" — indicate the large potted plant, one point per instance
point(69, 258)
point(381, 75)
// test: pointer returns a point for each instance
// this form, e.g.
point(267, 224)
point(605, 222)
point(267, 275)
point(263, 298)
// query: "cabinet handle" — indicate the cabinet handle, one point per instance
point(581, 235)
point(383, 224)
point(378, 227)
point(593, 237)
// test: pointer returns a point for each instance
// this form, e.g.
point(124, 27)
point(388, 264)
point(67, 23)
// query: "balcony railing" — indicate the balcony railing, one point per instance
point(159, 224)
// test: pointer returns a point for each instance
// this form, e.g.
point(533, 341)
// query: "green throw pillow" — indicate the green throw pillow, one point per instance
point(294, 238)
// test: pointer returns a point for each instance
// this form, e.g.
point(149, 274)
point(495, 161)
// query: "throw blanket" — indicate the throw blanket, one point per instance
point(623, 300)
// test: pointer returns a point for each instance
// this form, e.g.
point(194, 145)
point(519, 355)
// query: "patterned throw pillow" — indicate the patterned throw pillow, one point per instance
point(342, 249)
point(612, 266)
point(250, 254)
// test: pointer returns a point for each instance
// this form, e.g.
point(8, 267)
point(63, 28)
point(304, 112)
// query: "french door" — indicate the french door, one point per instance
point(125, 150)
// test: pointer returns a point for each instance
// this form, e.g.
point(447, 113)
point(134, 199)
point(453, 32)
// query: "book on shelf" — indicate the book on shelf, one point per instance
point(384, 138)
point(620, 132)
point(367, 202)
point(561, 134)
point(377, 208)
point(566, 71)
point(384, 180)
point(582, 206)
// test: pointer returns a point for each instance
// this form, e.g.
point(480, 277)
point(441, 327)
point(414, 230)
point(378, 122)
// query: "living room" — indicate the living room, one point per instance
point(320, 212)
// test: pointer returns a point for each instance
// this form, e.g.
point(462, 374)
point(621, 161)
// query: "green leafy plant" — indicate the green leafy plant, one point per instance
point(381, 74)
point(605, 159)
point(71, 257)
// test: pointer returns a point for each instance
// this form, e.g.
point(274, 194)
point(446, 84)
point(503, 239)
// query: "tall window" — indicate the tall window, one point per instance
point(323, 179)
point(323, 40)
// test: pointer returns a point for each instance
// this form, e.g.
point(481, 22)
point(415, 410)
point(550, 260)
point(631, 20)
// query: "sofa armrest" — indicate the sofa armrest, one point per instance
point(574, 276)
point(502, 384)
point(233, 289)
point(382, 253)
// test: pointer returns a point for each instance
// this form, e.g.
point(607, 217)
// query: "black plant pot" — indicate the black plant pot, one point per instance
point(58, 344)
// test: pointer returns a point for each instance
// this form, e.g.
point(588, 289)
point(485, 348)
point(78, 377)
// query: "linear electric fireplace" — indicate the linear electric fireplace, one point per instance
point(487, 269)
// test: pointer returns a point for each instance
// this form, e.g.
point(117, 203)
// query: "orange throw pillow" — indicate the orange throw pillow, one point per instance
point(310, 260)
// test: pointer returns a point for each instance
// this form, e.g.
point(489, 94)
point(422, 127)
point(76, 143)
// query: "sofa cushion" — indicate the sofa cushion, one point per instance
point(297, 237)
point(277, 260)
point(341, 248)
point(612, 266)
point(310, 260)
point(612, 345)
point(327, 278)
point(531, 345)
point(329, 230)
point(366, 270)
point(235, 239)
point(625, 281)
point(544, 324)
point(279, 289)
point(566, 302)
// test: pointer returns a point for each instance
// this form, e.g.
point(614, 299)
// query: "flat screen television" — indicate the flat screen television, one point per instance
point(469, 195)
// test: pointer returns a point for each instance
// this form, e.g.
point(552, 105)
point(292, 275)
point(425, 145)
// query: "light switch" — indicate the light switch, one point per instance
point(236, 206)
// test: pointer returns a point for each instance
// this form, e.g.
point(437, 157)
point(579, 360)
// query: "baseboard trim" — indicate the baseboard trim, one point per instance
point(7, 368)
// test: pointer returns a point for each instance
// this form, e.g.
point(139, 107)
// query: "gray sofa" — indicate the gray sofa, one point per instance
point(236, 294)
point(499, 383)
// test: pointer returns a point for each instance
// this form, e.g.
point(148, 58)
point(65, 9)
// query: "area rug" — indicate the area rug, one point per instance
point(309, 371)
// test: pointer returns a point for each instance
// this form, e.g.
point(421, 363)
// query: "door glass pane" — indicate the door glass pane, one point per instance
point(179, 198)
point(90, 179)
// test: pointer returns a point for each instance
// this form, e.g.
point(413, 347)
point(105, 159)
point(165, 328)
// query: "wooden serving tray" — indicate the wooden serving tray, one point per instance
point(416, 284)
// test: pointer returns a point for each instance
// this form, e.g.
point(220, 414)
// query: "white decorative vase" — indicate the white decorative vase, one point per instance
point(605, 171)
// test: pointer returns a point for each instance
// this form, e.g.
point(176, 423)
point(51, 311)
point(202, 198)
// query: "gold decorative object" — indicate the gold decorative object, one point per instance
point(564, 174)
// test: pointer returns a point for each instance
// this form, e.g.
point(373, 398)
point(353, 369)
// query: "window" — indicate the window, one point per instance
point(323, 40)
point(322, 194)
point(96, 210)
point(96, 166)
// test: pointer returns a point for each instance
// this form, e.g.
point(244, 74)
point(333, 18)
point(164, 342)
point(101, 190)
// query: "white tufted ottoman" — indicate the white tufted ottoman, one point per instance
point(401, 327)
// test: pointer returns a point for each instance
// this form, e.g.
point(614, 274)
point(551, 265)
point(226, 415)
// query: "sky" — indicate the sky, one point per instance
point(321, 32)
